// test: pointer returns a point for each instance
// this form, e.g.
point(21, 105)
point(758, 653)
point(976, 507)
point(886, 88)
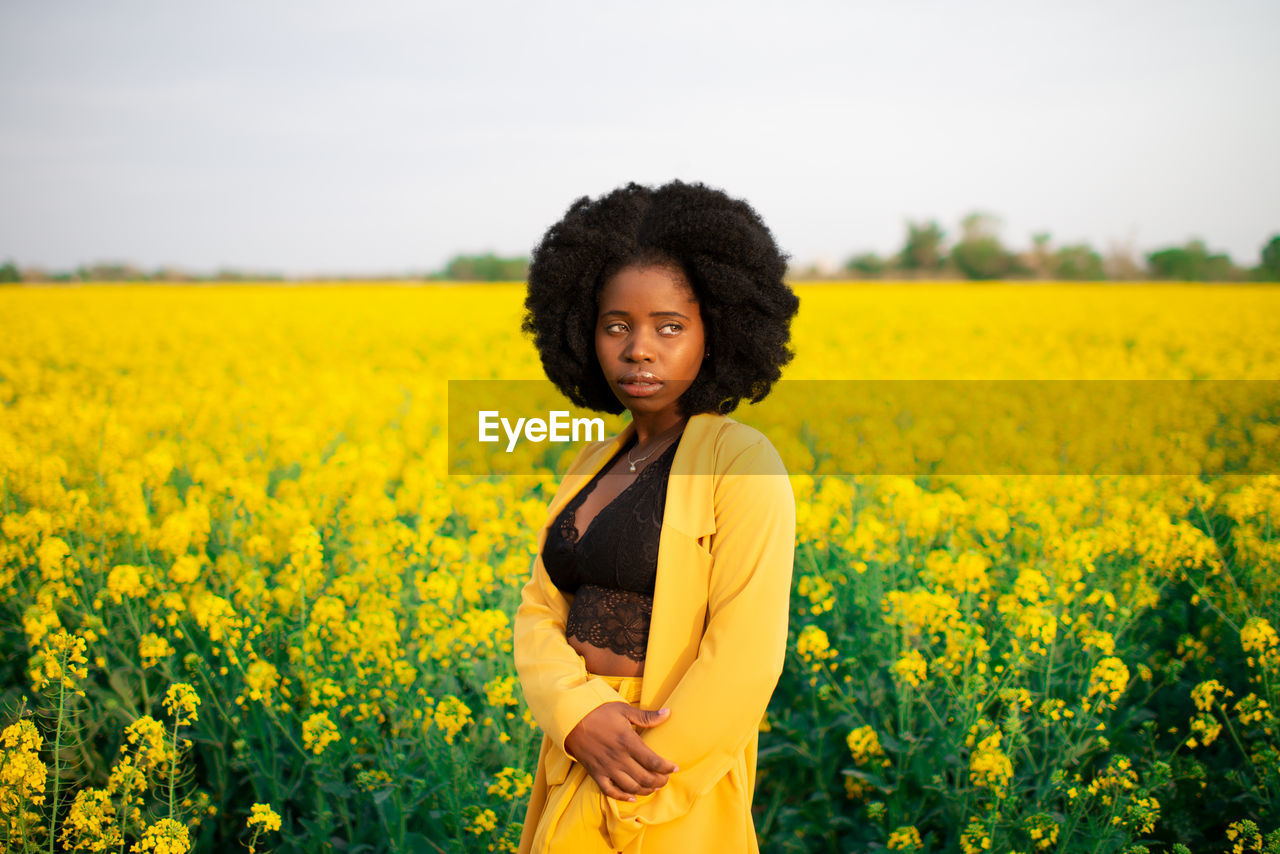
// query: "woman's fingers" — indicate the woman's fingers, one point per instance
point(611, 790)
point(641, 776)
point(626, 773)
point(643, 753)
point(614, 754)
point(650, 761)
point(640, 751)
point(625, 786)
point(640, 717)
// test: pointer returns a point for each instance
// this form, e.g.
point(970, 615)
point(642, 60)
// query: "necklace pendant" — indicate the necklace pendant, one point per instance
point(633, 465)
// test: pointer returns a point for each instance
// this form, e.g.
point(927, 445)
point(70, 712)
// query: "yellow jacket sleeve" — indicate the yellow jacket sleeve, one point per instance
point(552, 673)
point(717, 705)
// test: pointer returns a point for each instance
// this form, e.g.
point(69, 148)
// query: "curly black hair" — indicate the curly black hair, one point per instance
point(725, 252)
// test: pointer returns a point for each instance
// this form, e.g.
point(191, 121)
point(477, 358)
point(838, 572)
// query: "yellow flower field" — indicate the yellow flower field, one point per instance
point(243, 602)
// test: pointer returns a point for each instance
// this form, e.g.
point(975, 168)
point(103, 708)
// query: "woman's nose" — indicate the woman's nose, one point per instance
point(638, 349)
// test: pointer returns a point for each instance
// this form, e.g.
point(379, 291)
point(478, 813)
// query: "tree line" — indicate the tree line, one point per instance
point(978, 254)
point(486, 267)
point(124, 272)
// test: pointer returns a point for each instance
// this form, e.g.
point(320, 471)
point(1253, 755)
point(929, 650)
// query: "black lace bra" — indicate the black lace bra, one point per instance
point(611, 567)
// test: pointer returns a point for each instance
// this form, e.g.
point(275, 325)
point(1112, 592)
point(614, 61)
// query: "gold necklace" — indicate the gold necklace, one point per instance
point(655, 444)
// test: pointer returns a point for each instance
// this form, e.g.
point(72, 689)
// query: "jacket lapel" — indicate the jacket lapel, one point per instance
point(684, 561)
point(684, 556)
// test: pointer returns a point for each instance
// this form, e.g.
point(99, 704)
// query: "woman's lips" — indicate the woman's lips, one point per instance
point(639, 384)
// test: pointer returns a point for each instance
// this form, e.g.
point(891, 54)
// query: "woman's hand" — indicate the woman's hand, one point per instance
point(615, 756)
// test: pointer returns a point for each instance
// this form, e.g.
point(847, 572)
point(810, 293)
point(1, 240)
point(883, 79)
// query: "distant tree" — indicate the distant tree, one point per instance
point(923, 251)
point(1121, 261)
point(111, 272)
point(1269, 269)
point(1078, 262)
point(979, 254)
point(811, 271)
point(1039, 260)
point(1191, 262)
point(171, 274)
point(866, 264)
point(9, 273)
point(485, 268)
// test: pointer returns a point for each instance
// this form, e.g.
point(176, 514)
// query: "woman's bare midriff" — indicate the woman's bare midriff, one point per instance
point(606, 662)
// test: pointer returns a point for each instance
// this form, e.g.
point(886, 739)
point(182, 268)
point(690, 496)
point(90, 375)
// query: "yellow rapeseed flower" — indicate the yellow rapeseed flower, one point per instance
point(511, 784)
point(905, 838)
point(989, 766)
point(22, 774)
point(166, 836)
point(146, 736)
point(318, 732)
point(1259, 640)
point(60, 660)
point(125, 581)
point(451, 716)
point(153, 648)
point(501, 691)
point(911, 668)
point(484, 821)
point(1042, 829)
point(814, 647)
point(1108, 679)
point(263, 818)
point(975, 839)
point(181, 702)
point(1244, 836)
point(864, 746)
point(818, 591)
point(261, 678)
point(91, 824)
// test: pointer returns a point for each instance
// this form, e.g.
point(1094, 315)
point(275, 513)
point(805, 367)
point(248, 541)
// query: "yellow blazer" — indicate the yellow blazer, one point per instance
point(717, 638)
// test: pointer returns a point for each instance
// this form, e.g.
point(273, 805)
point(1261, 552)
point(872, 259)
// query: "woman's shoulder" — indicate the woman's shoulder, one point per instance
point(732, 433)
point(740, 448)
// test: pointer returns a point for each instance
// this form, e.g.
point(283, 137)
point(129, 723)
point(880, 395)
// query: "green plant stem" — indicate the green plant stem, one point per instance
point(822, 776)
point(124, 810)
point(57, 751)
point(173, 766)
point(1226, 571)
point(1110, 815)
point(1226, 719)
point(1048, 676)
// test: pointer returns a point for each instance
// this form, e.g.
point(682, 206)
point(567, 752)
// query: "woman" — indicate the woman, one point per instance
point(654, 628)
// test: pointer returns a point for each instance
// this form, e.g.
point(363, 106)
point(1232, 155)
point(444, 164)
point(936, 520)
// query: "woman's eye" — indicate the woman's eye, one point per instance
point(670, 328)
point(617, 326)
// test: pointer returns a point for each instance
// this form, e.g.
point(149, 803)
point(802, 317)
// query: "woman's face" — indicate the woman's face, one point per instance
point(649, 339)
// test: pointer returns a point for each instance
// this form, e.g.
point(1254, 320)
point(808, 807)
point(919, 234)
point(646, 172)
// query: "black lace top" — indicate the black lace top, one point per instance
point(611, 567)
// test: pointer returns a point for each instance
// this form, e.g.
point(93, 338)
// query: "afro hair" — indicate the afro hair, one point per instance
point(724, 251)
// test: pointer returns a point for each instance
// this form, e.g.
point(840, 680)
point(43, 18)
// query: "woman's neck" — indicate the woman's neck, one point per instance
point(657, 426)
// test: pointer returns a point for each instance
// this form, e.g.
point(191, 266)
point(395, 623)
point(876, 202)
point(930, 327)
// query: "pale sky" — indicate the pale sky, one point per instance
point(325, 137)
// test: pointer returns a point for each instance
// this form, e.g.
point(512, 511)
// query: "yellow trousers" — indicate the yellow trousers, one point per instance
point(572, 820)
point(571, 817)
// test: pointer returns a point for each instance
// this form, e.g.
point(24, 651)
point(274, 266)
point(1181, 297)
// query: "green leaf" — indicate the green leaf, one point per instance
point(867, 777)
point(416, 842)
point(337, 788)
